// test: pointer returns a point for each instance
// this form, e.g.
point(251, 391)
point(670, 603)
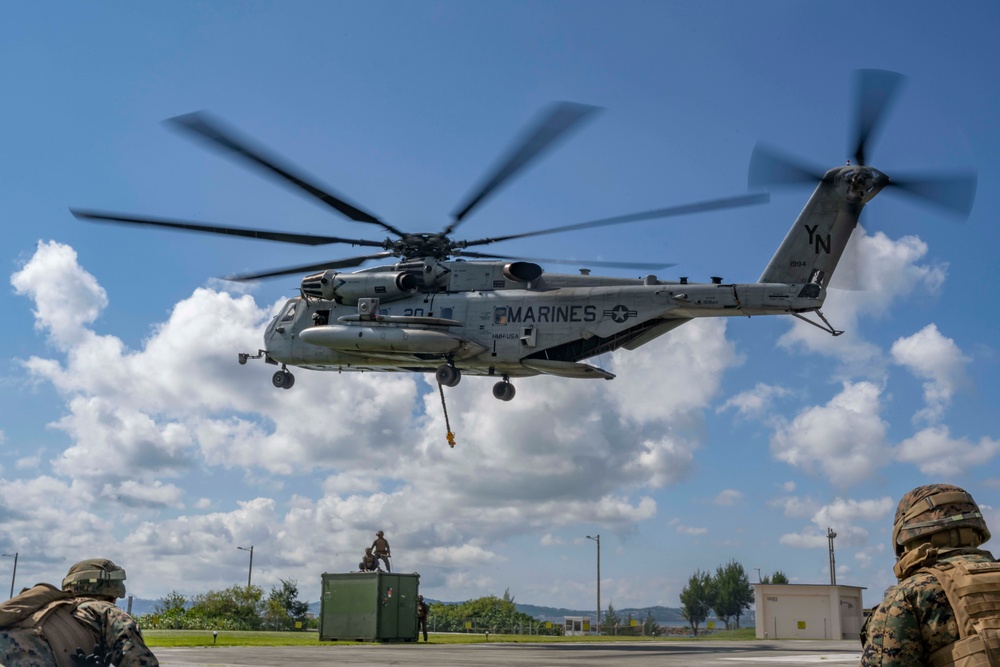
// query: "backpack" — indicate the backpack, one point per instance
point(48, 611)
point(973, 591)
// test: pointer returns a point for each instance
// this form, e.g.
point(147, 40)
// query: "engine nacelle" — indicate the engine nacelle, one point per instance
point(347, 288)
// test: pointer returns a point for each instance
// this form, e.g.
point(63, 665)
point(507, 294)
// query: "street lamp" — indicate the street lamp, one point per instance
point(833, 561)
point(250, 572)
point(14, 573)
point(598, 540)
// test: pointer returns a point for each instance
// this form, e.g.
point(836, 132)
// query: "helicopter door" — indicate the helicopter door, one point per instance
point(279, 336)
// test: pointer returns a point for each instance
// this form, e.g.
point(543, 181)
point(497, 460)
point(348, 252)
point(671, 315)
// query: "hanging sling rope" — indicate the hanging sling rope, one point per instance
point(447, 424)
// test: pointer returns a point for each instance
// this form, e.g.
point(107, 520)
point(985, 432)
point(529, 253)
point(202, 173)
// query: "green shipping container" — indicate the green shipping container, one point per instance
point(369, 606)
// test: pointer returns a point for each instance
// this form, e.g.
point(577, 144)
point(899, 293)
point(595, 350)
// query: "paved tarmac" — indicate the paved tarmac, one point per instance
point(646, 654)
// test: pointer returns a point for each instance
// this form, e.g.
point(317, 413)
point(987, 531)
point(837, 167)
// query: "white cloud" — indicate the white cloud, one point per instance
point(935, 452)
point(843, 516)
point(29, 462)
point(686, 530)
point(728, 497)
point(756, 402)
point(651, 391)
point(890, 271)
point(66, 297)
point(931, 356)
point(549, 540)
point(845, 438)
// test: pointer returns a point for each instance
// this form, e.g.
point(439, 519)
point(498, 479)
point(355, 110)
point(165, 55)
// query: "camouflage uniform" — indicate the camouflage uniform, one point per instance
point(914, 620)
point(368, 562)
point(381, 548)
point(936, 526)
point(93, 616)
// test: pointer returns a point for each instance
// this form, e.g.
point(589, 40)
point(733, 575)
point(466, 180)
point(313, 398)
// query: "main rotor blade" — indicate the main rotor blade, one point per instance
point(876, 89)
point(263, 234)
point(305, 268)
point(576, 262)
point(672, 211)
point(953, 192)
point(202, 126)
point(769, 167)
point(554, 124)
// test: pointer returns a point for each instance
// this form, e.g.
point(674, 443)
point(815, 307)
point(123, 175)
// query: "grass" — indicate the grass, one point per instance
point(171, 638)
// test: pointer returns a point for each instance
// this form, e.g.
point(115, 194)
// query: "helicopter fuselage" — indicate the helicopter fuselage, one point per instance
point(486, 324)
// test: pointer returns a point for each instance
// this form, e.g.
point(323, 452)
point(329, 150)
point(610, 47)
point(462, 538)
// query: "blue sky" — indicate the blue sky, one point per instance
point(128, 430)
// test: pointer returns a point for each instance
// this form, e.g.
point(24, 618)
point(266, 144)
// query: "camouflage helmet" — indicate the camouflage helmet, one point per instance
point(942, 514)
point(97, 576)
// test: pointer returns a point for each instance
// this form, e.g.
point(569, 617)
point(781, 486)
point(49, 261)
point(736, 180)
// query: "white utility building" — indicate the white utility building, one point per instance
point(808, 611)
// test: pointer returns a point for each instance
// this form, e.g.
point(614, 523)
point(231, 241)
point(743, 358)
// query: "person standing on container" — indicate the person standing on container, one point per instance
point(381, 548)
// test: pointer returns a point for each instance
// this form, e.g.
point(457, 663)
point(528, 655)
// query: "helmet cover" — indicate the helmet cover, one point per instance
point(97, 576)
point(937, 508)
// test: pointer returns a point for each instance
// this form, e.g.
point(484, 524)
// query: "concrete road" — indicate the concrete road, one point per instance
point(669, 654)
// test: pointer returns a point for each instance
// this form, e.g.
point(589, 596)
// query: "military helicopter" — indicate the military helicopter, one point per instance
point(442, 308)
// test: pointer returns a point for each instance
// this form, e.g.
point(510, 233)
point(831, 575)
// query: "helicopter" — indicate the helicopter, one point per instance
point(442, 308)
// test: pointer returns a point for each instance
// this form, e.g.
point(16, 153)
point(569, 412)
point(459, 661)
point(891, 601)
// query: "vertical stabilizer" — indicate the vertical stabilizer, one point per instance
point(815, 243)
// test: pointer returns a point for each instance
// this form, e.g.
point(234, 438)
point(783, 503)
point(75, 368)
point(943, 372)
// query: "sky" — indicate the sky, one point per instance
point(128, 430)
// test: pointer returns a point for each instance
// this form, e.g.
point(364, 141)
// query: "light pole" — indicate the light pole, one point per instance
point(758, 574)
point(598, 540)
point(833, 561)
point(250, 572)
point(14, 573)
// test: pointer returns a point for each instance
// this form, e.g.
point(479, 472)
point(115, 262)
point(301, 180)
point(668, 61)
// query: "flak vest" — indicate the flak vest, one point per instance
point(973, 591)
point(48, 611)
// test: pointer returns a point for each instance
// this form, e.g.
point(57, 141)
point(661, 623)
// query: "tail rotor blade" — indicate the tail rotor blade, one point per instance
point(876, 90)
point(953, 192)
point(771, 167)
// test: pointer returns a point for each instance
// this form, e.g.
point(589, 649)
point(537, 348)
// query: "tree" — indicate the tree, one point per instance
point(283, 606)
point(235, 608)
point(174, 603)
point(696, 599)
point(777, 578)
point(170, 612)
point(733, 594)
point(650, 628)
point(489, 613)
point(611, 620)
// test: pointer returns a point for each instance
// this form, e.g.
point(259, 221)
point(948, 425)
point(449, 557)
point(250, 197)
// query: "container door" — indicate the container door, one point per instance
point(408, 585)
point(388, 606)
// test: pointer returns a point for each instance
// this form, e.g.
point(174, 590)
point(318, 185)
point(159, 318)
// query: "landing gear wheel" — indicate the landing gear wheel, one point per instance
point(449, 376)
point(283, 379)
point(504, 391)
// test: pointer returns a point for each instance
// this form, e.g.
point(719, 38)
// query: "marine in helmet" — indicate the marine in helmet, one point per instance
point(945, 610)
point(79, 624)
point(381, 548)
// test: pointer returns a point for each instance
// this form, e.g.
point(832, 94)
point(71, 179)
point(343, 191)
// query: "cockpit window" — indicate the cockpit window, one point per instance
point(289, 314)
